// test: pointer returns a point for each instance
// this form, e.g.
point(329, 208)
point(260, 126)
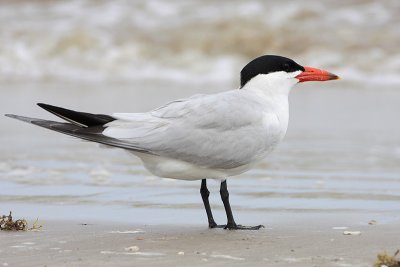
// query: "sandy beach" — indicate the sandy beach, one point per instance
point(288, 240)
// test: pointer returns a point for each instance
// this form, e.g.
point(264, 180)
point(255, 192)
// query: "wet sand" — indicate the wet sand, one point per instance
point(288, 240)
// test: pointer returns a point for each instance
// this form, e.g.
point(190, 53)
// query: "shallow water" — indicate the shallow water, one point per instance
point(120, 40)
point(341, 153)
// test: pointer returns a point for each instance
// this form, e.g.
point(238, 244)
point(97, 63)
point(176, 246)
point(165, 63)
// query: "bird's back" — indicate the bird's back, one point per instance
point(220, 131)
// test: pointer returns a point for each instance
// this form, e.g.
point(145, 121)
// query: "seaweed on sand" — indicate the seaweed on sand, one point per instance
point(383, 259)
point(8, 224)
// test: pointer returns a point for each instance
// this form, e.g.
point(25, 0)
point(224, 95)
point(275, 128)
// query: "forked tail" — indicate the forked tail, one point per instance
point(82, 125)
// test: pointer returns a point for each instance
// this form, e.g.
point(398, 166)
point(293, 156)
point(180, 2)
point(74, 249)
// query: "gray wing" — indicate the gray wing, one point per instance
point(215, 131)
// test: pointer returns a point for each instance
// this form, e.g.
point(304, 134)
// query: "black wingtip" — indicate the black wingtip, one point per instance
point(22, 118)
point(17, 117)
point(44, 106)
point(79, 118)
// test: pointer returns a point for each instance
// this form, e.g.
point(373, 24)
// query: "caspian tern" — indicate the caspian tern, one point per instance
point(205, 136)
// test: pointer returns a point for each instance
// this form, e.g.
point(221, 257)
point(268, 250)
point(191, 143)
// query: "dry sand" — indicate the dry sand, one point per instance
point(288, 240)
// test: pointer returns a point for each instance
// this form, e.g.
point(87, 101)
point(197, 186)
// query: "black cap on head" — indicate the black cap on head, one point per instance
point(267, 64)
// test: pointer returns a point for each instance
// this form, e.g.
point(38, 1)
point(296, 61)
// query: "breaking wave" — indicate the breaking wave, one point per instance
point(194, 41)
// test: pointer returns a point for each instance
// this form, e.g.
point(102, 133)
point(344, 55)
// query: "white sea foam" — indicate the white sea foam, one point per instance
point(229, 257)
point(149, 254)
point(128, 232)
point(194, 42)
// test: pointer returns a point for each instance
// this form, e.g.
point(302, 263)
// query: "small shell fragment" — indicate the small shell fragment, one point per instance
point(181, 253)
point(340, 228)
point(352, 233)
point(132, 249)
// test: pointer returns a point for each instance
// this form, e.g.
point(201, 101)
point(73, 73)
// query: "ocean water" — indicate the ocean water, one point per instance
point(121, 40)
point(341, 153)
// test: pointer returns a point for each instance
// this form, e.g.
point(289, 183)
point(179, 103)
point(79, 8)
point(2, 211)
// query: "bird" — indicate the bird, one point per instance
point(206, 136)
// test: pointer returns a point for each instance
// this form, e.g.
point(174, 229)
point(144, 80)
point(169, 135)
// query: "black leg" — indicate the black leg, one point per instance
point(225, 199)
point(204, 195)
point(231, 225)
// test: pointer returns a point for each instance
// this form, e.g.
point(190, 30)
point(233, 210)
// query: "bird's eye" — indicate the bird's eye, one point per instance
point(286, 67)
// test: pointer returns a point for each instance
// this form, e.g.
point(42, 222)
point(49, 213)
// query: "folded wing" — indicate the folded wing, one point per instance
point(220, 131)
point(214, 131)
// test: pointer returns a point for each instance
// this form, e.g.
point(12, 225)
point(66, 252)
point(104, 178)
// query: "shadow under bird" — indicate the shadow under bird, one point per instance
point(204, 136)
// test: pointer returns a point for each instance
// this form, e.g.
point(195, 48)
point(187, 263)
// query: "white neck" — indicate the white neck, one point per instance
point(272, 84)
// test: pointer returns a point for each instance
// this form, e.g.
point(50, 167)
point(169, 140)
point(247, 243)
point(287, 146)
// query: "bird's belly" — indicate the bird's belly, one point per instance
point(181, 170)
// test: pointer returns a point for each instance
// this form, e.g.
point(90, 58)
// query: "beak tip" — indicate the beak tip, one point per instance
point(334, 77)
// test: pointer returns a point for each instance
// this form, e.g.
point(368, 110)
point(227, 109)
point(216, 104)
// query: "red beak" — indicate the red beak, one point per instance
point(314, 74)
